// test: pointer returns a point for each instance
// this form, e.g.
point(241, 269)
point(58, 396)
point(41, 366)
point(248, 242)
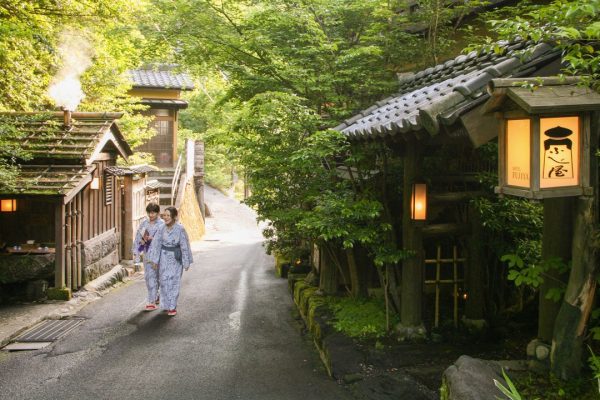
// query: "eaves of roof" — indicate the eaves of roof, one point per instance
point(439, 95)
point(48, 138)
point(165, 103)
point(52, 180)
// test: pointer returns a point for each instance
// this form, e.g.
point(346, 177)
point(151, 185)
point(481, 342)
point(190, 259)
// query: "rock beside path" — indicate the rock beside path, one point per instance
point(472, 379)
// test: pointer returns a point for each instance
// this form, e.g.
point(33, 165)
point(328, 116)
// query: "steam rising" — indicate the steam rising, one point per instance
point(76, 54)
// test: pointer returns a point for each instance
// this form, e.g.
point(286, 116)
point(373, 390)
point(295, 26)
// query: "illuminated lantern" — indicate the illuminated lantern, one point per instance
point(418, 202)
point(8, 205)
point(544, 141)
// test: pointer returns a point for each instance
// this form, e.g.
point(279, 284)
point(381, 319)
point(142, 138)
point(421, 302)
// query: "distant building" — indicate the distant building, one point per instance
point(160, 88)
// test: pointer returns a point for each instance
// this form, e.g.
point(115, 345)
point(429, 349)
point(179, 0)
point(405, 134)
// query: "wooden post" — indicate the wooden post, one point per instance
point(127, 207)
point(67, 247)
point(328, 277)
point(59, 244)
point(358, 279)
point(174, 125)
point(412, 268)
point(79, 238)
point(199, 175)
point(558, 225)
point(575, 309)
point(475, 269)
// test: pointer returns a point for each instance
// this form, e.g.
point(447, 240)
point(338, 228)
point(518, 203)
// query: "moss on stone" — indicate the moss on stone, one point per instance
point(59, 293)
point(279, 261)
point(26, 267)
point(293, 279)
point(304, 299)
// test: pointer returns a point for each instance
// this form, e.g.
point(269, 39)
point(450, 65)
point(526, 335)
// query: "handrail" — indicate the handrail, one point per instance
point(175, 182)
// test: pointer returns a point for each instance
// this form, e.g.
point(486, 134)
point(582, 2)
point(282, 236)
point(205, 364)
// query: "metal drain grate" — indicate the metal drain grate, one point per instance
point(49, 330)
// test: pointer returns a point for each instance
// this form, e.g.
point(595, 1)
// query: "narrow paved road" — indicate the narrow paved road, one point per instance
point(234, 336)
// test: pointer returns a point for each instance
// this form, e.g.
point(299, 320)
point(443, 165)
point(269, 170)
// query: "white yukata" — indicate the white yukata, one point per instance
point(162, 252)
point(150, 274)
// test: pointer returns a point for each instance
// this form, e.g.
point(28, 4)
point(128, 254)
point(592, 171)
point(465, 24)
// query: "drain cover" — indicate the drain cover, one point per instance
point(25, 346)
point(49, 330)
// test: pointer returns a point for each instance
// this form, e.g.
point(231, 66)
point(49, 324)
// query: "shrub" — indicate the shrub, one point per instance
point(357, 318)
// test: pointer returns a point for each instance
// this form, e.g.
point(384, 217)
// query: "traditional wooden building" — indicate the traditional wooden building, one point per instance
point(437, 113)
point(138, 190)
point(67, 201)
point(160, 88)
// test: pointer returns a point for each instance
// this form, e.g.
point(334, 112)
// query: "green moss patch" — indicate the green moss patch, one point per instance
point(59, 294)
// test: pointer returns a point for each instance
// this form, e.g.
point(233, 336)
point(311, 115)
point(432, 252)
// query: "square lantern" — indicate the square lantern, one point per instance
point(544, 141)
point(8, 205)
point(418, 202)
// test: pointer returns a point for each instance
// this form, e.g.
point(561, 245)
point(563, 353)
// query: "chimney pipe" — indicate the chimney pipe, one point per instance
point(67, 118)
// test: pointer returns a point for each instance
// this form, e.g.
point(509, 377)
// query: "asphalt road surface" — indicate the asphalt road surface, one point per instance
point(234, 336)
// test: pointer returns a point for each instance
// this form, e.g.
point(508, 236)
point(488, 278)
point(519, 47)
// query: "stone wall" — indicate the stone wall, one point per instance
point(100, 255)
point(189, 212)
point(26, 267)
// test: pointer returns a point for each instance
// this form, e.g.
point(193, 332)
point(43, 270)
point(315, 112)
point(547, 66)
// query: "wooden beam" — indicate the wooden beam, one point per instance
point(445, 229)
point(453, 197)
point(59, 244)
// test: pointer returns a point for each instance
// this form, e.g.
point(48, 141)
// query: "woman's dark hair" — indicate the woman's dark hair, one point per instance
point(172, 212)
point(153, 207)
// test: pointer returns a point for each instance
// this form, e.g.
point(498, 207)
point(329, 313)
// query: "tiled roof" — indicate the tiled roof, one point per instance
point(154, 184)
point(160, 79)
point(132, 170)
point(46, 137)
point(51, 179)
point(439, 95)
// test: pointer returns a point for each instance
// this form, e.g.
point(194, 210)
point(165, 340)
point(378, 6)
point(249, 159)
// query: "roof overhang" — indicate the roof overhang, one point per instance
point(543, 95)
point(59, 181)
point(165, 103)
point(114, 136)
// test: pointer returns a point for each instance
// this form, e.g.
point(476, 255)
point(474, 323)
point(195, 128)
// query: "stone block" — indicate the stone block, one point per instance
point(411, 333)
point(59, 293)
point(26, 267)
point(472, 379)
point(342, 355)
point(100, 267)
point(36, 290)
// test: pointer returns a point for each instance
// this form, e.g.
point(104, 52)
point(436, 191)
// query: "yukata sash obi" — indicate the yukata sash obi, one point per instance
point(176, 250)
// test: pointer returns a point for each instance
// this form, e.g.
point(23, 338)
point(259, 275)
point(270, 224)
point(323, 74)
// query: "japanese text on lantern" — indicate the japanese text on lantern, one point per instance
point(559, 152)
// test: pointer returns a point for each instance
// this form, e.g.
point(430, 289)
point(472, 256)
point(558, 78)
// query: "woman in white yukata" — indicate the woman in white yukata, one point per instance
point(170, 250)
point(141, 244)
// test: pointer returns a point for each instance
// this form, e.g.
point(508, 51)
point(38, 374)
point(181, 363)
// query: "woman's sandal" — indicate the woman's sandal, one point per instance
point(150, 307)
point(172, 313)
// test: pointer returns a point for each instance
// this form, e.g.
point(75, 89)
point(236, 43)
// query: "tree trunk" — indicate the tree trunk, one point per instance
point(358, 282)
point(475, 273)
point(558, 225)
point(412, 268)
point(577, 304)
point(328, 277)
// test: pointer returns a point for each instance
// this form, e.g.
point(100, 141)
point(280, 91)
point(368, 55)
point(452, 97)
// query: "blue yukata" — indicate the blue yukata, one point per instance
point(170, 249)
point(140, 253)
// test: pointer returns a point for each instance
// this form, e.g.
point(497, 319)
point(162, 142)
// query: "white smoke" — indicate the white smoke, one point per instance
point(76, 54)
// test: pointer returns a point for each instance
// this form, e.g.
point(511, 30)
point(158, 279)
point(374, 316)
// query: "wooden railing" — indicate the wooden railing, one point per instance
point(175, 182)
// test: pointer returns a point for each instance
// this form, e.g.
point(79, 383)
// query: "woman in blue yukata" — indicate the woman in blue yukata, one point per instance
point(170, 250)
point(141, 244)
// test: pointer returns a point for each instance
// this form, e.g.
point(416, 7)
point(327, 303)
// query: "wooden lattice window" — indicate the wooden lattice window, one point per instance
point(108, 189)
